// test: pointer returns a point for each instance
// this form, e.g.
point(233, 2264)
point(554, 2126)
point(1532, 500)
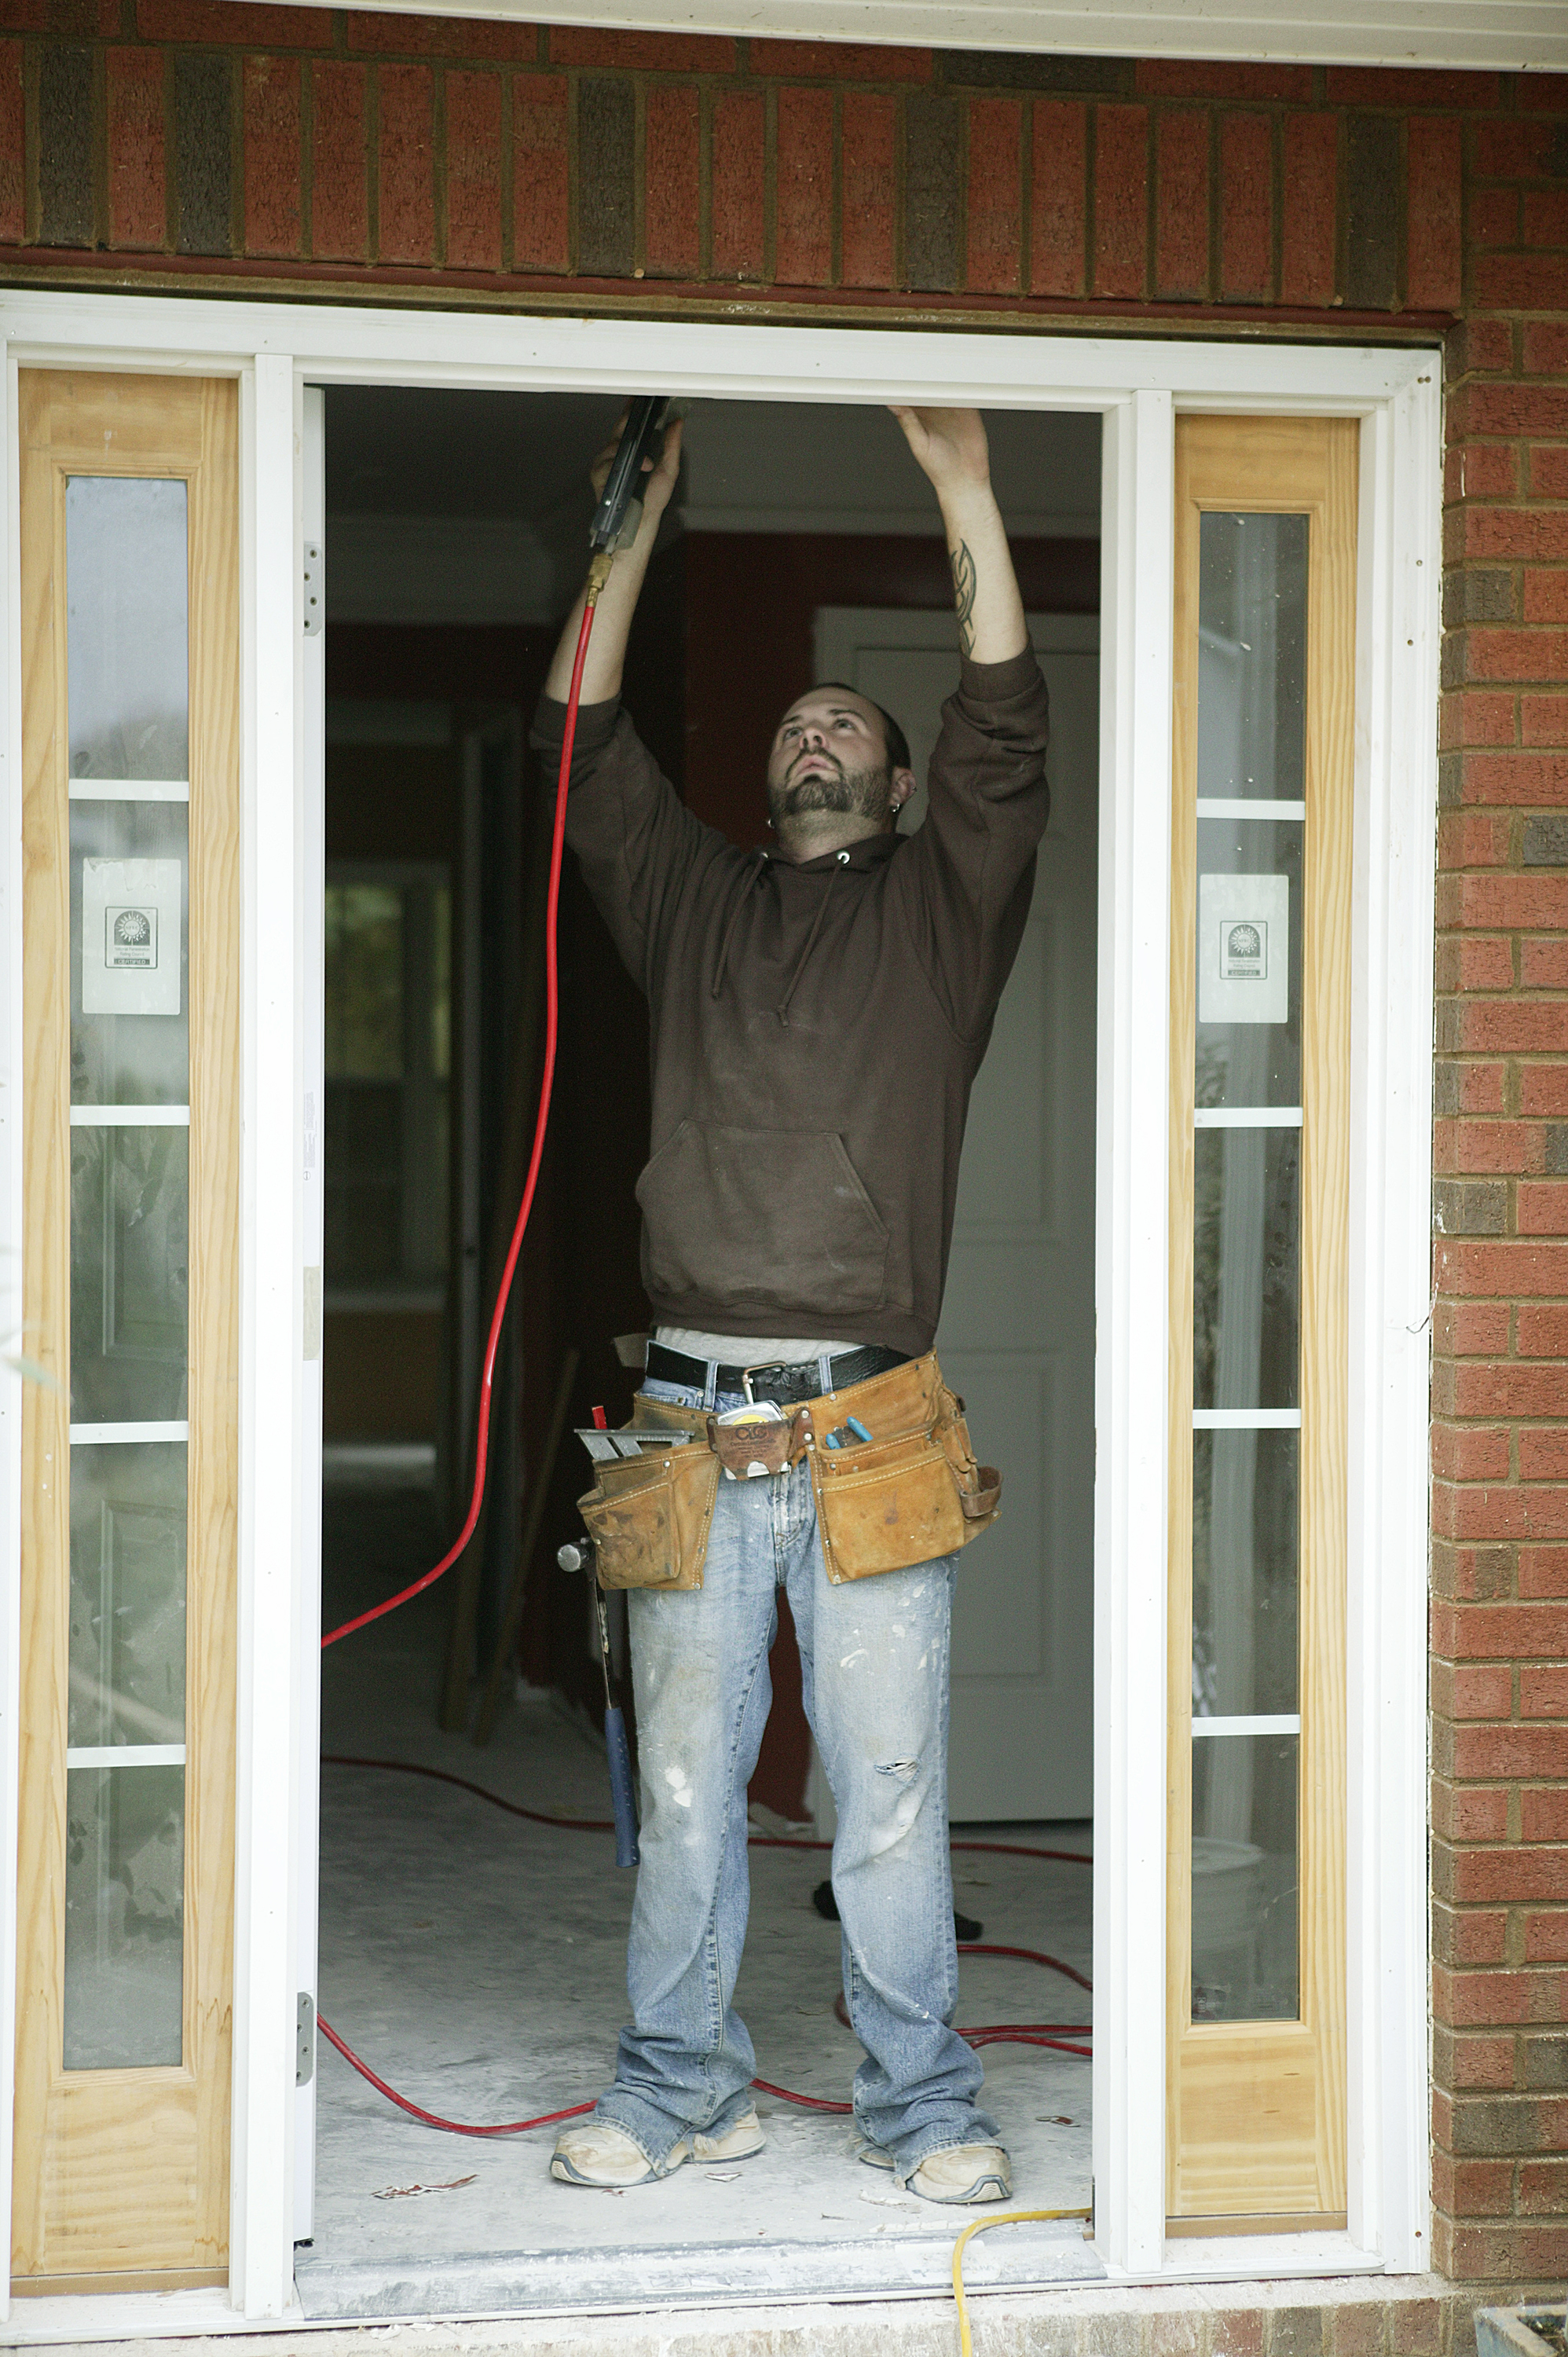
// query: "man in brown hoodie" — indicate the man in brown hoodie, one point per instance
point(818, 1012)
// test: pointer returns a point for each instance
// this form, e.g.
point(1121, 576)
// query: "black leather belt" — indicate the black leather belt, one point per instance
point(771, 1379)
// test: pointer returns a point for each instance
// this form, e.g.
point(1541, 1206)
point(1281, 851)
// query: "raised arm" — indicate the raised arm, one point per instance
point(949, 446)
point(617, 599)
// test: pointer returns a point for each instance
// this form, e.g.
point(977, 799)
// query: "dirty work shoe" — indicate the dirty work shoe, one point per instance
point(600, 2154)
point(738, 2143)
point(964, 2172)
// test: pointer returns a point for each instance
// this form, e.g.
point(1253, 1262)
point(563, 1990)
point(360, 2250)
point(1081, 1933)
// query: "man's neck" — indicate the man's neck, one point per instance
point(817, 833)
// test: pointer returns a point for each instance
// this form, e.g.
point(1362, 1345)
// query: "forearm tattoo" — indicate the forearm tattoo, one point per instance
point(963, 584)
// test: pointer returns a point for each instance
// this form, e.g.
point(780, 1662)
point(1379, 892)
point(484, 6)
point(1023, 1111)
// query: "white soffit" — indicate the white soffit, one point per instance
point(1526, 36)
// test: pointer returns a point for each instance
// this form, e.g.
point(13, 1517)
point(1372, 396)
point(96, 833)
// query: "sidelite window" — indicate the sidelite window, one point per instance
point(127, 698)
point(1260, 867)
point(131, 993)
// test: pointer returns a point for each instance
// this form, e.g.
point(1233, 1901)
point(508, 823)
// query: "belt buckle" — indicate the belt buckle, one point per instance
point(762, 1367)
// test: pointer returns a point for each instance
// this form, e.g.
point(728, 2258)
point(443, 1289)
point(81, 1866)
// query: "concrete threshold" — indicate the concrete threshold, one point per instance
point(581, 2281)
point(1411, 2316)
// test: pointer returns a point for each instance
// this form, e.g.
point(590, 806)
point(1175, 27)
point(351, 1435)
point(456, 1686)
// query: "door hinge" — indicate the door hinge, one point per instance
point(303, 2038)
point(315, 588)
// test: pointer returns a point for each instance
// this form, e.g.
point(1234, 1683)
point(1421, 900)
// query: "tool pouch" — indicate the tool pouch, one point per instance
point(649, 1515)
point(748, 1450)
point(911, 1493)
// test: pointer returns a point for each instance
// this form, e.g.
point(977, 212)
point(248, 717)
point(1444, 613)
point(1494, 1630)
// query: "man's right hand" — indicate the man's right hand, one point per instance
point(617, 599)
point(659, 478)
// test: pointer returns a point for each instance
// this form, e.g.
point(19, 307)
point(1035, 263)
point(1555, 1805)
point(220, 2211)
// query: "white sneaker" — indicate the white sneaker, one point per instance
point(964, 2172)
point(601, 2154)
point(738, 2143)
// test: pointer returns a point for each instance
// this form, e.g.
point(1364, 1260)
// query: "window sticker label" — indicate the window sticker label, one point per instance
point(1243, 966)
point(130, 936)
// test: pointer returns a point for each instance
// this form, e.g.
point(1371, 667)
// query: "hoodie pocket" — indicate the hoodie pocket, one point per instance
point(763, 1215)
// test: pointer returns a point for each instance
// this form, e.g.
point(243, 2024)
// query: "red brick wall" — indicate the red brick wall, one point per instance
point(194, 137)
point(394, 156)
point(1499, 1623)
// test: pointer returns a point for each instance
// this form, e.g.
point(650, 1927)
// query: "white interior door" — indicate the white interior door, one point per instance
point(312, 678)
point(1017, 1338)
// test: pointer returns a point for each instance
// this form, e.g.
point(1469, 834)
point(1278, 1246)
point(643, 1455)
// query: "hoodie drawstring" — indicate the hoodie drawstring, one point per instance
point(837, 869)
point(722, 964)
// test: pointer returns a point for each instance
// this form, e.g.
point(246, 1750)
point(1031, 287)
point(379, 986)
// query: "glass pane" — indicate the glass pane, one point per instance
point(130, 1025)
point(1246, 1264)
point(1243, 1573)
point(124, 1911)
point(127, 1594)
point(1246, 1277)
point(129, 1285)
point(126, 573)
point(1252, 655)
point(364, 982)
point(1248, 960)
point(1244, 1950)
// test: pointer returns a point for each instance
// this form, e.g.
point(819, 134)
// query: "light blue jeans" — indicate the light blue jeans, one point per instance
point(875, 1658)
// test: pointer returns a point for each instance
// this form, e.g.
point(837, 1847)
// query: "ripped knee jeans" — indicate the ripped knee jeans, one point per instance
point(874, 1661)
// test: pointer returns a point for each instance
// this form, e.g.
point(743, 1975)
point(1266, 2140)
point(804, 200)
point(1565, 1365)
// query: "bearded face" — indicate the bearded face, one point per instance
point(829, 759)
point(820, 780)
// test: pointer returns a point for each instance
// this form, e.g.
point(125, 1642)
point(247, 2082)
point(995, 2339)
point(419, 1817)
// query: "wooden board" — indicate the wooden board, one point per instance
point(129, 2169)
point(1256, 2110)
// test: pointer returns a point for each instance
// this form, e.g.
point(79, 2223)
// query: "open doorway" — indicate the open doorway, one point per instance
point(476, 1959)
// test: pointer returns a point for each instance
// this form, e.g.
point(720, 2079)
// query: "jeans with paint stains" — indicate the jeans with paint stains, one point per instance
point(874, 1661)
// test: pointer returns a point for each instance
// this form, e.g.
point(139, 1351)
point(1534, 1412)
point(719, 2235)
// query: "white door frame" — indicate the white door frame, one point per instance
point(277, 350)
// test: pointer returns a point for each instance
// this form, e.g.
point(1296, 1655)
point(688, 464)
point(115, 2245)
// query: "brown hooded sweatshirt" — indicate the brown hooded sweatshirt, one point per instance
point(815, 1029)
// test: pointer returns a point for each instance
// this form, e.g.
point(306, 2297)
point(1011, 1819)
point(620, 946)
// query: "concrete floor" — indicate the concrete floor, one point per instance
point(478, 1963)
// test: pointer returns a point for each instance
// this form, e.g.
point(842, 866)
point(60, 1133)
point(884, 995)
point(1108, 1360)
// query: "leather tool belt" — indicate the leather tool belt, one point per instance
point(909, 1493)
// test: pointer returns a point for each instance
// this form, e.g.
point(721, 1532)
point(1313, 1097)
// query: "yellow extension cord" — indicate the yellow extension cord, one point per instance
point(1008, 2218)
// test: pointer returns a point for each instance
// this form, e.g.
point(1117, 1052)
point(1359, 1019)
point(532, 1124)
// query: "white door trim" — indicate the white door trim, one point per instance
point(271, 1347)
point(1137, 386)
point(310, 989)
point(1132, 1232)
point(1524, 36)
point(1397, 636)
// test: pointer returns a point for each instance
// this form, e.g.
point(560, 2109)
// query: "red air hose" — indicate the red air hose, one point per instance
point(498, 1316)
point(1055, 2034)
point(1037, 2034)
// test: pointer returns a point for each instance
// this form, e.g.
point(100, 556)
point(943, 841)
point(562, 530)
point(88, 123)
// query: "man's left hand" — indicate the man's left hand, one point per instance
point(949, 446)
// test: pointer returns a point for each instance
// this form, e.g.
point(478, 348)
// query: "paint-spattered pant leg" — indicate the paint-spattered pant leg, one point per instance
point(875, 1656)
point(700, 1669)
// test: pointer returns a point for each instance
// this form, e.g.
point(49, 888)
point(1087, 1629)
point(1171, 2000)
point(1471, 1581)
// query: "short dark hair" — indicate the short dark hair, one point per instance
point(892, 737)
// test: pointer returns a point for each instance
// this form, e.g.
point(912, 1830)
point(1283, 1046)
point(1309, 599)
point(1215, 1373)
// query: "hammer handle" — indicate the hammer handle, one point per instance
point(620, 1787)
